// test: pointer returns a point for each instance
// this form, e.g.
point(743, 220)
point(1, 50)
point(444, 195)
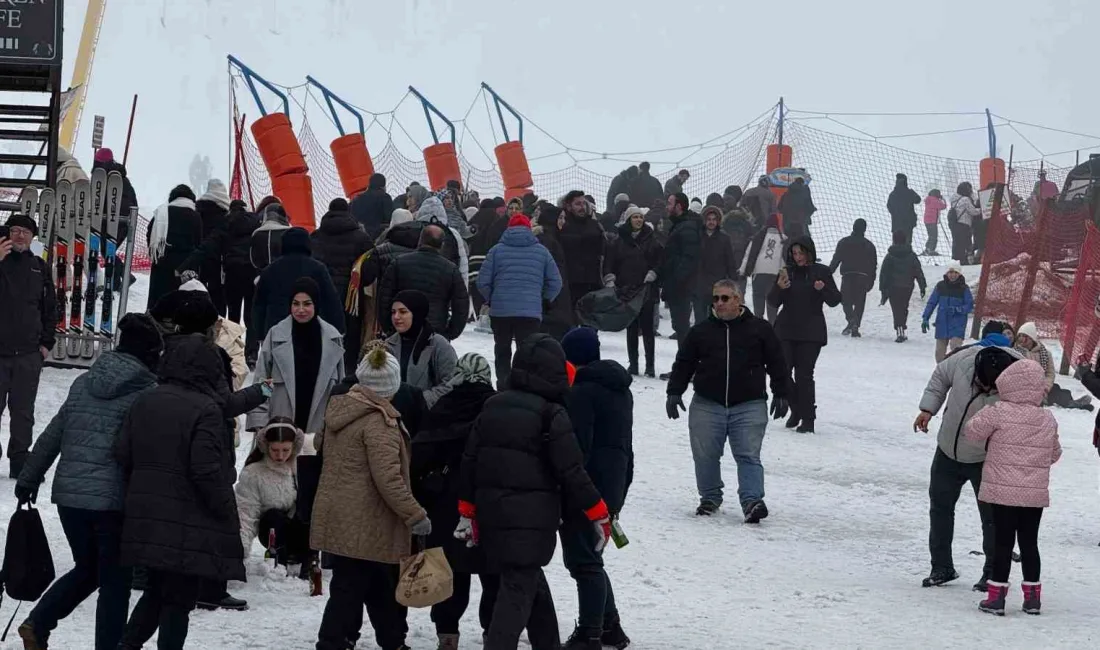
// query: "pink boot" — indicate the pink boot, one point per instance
point(995, 600)
point(1032, 597)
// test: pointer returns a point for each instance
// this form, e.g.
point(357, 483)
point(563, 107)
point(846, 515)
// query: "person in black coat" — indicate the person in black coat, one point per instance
point(797, 207)
point(582, 239)
point(373, 208)
point(900, 269)
point(426, 271)
point(558, 316)
point(601, 408)
point(180, 511)
point(520, 461)
point(620, 185)
point(174, 232)
point(716, 261)
point(802, 289)
point(680, 270)
point(275, 287)
point(645, 189)
point(338, 243)
point(480, 224)
point(633, 262)
point(230, 243)
point(213, 208)
point(902, 206)
point(857, 260)
point(435, 470)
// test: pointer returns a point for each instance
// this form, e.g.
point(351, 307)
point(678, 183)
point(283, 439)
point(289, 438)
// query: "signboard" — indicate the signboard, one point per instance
point(784, 176)
point(30, 32)
point(97, 132)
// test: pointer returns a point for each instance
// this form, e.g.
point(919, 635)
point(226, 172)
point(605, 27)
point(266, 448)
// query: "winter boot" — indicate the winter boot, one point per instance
point(649, 372)
point(1032, 597)
point(995, 600)
point(707, 508)
point(33, 641)
point(448, 642)
point(847, 330)
point(900, 331)
point(614, 636)
point(228, 602)
point(940, 577)
point(755, 511)
point(904, 334)
point(584, 638)
point(855, 333)
point(633, 368)
point(982, 585)
point(807, 426)
point(793, 421)
point(665, 375)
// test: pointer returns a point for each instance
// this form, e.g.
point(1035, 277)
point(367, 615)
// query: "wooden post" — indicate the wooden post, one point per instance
point(130, 130)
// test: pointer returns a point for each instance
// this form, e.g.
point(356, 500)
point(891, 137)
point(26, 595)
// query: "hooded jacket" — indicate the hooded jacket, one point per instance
point(902, 206)
point(797, 205)
point(180, 511)
point(856, 255)
point(398, 240)
point(583, 240)
point(601, 409)
point(900, 268)
point(364, 507)
point(954, 302)
point(518, 275)
point(801, 315)
point(84, 432)
point(522, 458)
point(338, 243)
point(1021, 439)
point(273, 290)
point(716, 261)
point(266, 244)
point(372, 209)
point(966, 210)
point(265, 485)
point(680, 268)
point(952, 388)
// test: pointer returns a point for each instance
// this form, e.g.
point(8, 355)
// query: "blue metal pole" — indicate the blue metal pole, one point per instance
point(331, 97)
point(250, 77)
point(499, 101)
point(992, 134)
point(429, 109)
point(782, 112)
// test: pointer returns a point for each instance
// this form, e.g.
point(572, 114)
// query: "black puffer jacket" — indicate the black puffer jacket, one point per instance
point(631, 258)
point(437, 467)
point(680, 269)
point(273, 290)
point(801, 316)
point(522, 458)
point(181, 514)
point(601, 409)
point(425, 270)
point(213, 219)
point(797, 206)
point(900, 269)
point(557, 315)
point(716, 262)
point(729, 360)
point(399, 240)
point(855, 254)
point(583, 242)
point(902, 205)
point(337, 243)
point(231, 243)
point(373, 208)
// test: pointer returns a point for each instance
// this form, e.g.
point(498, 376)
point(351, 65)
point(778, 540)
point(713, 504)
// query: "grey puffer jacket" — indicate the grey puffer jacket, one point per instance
point(84, 432)
point(435, 368)
point(952, 382)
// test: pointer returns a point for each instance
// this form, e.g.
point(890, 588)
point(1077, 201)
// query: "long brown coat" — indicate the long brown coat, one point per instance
point(364, 506)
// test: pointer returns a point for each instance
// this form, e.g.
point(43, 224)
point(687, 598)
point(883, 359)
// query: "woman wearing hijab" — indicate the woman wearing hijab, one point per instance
point(303, 356)
point(174, 232)
point(427, 359)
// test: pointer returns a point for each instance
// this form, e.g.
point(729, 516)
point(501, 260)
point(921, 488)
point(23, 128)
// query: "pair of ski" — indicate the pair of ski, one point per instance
point(73, 220)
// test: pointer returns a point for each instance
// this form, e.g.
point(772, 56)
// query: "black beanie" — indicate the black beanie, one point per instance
point(22, 221)
point(296, 240)
point(237, 205)
point(338, 205)
point(181, 191)
point(139, 337)
point(307, 286)
point(195, 314)
point(994, 327)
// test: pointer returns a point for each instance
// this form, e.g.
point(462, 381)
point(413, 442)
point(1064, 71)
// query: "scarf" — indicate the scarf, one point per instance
point(160, 227)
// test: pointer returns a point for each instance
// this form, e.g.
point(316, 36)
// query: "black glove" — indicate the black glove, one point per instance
point(883, 300)
point(780, 408)
point(24, 494)
point(673, 405)
point(922, 294)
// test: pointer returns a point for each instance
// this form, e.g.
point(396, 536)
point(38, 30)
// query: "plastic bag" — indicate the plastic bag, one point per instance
point(426, 579)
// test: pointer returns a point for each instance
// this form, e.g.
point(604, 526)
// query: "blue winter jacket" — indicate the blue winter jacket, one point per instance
point(955, 302)
point(518, 275)
point(84, 432)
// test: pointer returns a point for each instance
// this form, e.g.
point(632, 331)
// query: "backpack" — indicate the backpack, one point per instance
point(988, 365)
point(952, 217)
point(28, 564)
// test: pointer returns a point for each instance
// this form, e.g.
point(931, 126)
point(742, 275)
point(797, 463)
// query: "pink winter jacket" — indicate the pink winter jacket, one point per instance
point(933, 206)
point(1022, 439)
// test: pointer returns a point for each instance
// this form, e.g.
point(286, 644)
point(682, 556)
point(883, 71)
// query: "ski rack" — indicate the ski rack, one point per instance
point(500, 103)
point(59, 357)
point(430, 108)
point(332, 97)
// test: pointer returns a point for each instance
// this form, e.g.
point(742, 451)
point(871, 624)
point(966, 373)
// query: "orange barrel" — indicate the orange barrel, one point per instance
point(353, 163)
point(278, 145)
point(442, 163)
point(991, 170)
point(514, 170)
point(295, 192)
point(517, 192)
point(779, 155)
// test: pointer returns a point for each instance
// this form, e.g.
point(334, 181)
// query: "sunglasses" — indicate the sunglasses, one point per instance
point(721, 298)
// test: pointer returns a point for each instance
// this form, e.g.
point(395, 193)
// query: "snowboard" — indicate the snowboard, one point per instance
point(81, 205)
point(114, 206)
point(99, 200)
point(64, 228)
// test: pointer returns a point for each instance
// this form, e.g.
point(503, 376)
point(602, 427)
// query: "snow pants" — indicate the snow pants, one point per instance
point(506, 330)
point(1012, 524)
point(18, 390)
point(166, 606)
point(801, 358)
point(355, 583)
point(710, 426)
point(944, 488)
point(447, 614)
point(853, 297)
point(762, 283)
point(94, 538)
point(595, 598)
point(524, 601)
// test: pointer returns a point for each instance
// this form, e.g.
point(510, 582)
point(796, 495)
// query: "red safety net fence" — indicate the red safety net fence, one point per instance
point(1081, 325)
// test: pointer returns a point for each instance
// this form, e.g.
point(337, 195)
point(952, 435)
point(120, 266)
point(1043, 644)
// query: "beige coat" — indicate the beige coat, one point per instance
point(364, 507)
point(229, 336)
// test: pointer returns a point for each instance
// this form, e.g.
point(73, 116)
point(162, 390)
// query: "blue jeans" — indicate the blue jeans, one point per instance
point(94, 539)
point(710, 425)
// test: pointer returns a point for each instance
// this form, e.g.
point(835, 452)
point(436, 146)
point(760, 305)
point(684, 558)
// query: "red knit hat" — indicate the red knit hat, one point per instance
point(519, 220)
point(104, 155)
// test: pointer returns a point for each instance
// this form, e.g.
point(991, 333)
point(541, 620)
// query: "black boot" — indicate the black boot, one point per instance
point(633, 368)
point(940, 577)
point(855, 333)
point(847, 330)
point(584, 638)
point(807, 426)
point(614, 636)
point(792, 421)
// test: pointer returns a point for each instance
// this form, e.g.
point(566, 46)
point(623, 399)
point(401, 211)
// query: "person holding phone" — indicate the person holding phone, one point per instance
point(27, 327)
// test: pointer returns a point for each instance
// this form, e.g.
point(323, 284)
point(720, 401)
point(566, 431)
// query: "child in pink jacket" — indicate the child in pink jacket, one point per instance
point(1021, 444)
point(934, 204)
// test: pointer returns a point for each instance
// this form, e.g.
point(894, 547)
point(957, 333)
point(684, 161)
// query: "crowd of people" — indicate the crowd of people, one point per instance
point(372, 437)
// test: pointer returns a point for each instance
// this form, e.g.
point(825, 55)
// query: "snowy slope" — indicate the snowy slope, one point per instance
point(837, 565)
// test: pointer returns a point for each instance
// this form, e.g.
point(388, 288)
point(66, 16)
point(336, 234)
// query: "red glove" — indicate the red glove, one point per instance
point(601, 519)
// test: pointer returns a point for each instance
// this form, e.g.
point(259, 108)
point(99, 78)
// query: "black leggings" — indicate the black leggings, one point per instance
point(447, 614)
point(801, 359)
point(1012, 525)
point(644, 325)
point(899, 305)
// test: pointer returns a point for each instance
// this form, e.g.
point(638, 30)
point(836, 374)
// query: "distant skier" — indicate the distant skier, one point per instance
point(901, 204)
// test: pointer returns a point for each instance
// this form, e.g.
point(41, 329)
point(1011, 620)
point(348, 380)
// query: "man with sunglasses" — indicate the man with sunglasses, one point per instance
point(26, 331)
point(727, 357)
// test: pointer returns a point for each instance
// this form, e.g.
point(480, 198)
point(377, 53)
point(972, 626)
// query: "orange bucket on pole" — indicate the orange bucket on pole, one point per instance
point(295, 192)
point(514, 170)
point(353, 163)
point(278, 145)
point(442, 163)
point(991, 170)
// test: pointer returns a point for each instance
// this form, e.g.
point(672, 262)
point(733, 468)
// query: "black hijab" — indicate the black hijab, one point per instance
point(416, 338)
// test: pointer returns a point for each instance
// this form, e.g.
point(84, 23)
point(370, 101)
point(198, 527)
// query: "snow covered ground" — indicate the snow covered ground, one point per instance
point(837, 565)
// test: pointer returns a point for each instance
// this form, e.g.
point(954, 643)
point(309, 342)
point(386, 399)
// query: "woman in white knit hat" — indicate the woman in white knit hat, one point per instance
point(364, 513)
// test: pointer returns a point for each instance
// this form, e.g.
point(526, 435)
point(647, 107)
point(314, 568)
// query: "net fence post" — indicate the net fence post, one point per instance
point(987, 261)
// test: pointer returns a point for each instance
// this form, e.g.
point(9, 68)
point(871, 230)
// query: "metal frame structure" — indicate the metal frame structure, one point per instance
point(430, 108)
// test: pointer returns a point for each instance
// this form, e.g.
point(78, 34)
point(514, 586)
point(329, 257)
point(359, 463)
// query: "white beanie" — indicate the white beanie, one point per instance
point(696, 206)
point(621, 197)
point(1029, 330)
point(193, 285)
point(400, 215)
point(956, 268)
point(380, 372)
point(470, 212)
point(216, 192)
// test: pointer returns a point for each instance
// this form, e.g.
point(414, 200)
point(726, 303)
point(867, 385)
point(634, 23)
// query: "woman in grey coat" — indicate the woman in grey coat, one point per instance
point(303, 356)
point(427, 359)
